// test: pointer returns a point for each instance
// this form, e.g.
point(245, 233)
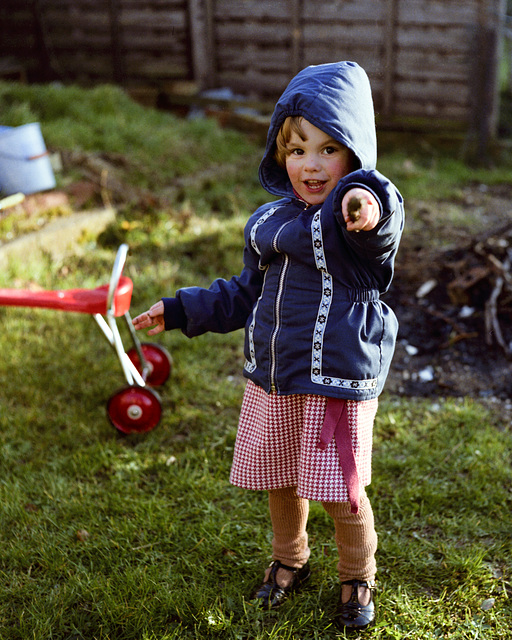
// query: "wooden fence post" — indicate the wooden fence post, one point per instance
point(202, 37)
point(297, 36)
point(390, 33)
point(486, 82)
point(118, 67)
point(45, 59)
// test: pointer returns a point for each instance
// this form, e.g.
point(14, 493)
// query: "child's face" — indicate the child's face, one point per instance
point(315, 165)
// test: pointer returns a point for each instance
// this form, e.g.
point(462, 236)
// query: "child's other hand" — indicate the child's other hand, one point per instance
point(154, 317)
point(369, 213)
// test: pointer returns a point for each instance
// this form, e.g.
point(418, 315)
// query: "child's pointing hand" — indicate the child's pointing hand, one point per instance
point(366, 216)
point(154, 317)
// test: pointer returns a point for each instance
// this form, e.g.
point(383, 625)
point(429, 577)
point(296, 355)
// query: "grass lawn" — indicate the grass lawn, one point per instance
point(142, 537)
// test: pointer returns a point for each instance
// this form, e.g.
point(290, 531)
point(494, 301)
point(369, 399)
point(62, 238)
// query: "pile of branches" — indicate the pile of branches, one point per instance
point(483, 278)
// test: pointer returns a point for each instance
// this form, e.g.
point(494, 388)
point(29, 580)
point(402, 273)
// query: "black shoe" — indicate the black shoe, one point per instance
point(352, 615)
point(270, 594)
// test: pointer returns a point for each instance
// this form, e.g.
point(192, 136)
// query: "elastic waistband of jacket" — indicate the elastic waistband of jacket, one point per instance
point(362, 295)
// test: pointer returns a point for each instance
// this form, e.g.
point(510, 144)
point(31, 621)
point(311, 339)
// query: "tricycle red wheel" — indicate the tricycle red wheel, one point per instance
point(158, 359)
point(134, 409)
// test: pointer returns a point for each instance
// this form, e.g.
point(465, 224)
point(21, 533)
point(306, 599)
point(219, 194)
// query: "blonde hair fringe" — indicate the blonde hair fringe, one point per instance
point(291, 125)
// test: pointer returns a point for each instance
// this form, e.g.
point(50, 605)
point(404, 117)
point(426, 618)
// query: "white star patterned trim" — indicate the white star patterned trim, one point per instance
point(322, 316)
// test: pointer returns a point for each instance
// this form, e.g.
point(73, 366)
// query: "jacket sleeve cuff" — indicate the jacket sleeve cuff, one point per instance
point(174, 314)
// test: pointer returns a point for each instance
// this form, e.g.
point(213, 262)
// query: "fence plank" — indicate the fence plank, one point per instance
point(154, 19)
point(444, 40)
point(243, 10)
point(240, 59)
point(349, 11)
point(439, 12)
point(439, 93)
point(350, 34)
point(255, 32)
point(432, 65)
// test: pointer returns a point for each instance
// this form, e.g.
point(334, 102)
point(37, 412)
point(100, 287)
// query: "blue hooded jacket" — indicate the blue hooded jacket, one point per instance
point(309, 292)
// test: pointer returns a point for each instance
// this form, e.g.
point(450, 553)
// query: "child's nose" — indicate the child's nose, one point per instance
point(311, 162)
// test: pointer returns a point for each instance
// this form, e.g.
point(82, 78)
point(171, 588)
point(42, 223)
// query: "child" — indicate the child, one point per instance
point(318, 339)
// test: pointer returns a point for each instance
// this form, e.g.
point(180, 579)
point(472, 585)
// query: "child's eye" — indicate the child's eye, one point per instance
point(330, 150)
point(297, 152)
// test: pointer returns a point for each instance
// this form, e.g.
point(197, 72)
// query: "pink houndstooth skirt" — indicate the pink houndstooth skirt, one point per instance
point(277, 445)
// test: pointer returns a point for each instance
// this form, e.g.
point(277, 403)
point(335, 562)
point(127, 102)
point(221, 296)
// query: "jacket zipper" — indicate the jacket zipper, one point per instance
point(277, 325)
point(277, 308)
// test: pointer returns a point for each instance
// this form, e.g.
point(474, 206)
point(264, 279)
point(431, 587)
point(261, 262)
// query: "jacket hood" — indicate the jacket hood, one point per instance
point(336, 98)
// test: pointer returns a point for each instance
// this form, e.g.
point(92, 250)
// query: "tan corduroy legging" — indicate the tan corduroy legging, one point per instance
point(355, 534)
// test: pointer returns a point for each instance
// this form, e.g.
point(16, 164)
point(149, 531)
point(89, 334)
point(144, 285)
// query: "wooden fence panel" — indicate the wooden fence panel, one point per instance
point(254, 45)
point(18, 34)
point(425, 58)
point(134, 42)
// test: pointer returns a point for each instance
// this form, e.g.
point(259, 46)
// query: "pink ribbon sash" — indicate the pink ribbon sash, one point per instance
point(336, 425)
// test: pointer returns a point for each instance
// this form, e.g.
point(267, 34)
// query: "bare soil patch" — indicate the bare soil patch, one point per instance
point(444, 346)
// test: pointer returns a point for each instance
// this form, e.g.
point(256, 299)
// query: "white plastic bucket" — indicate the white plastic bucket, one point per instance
point(24, 163)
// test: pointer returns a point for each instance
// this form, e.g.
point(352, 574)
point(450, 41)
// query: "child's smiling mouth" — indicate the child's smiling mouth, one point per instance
point(314, 185)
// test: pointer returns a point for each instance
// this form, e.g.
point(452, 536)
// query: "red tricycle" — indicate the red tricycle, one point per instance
point(135, 408)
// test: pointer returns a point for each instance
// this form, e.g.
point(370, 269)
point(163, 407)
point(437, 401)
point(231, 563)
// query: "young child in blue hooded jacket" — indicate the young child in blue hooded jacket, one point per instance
point(318, 338)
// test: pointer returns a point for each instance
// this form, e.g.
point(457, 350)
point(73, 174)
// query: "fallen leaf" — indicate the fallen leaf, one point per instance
point(82, 535)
